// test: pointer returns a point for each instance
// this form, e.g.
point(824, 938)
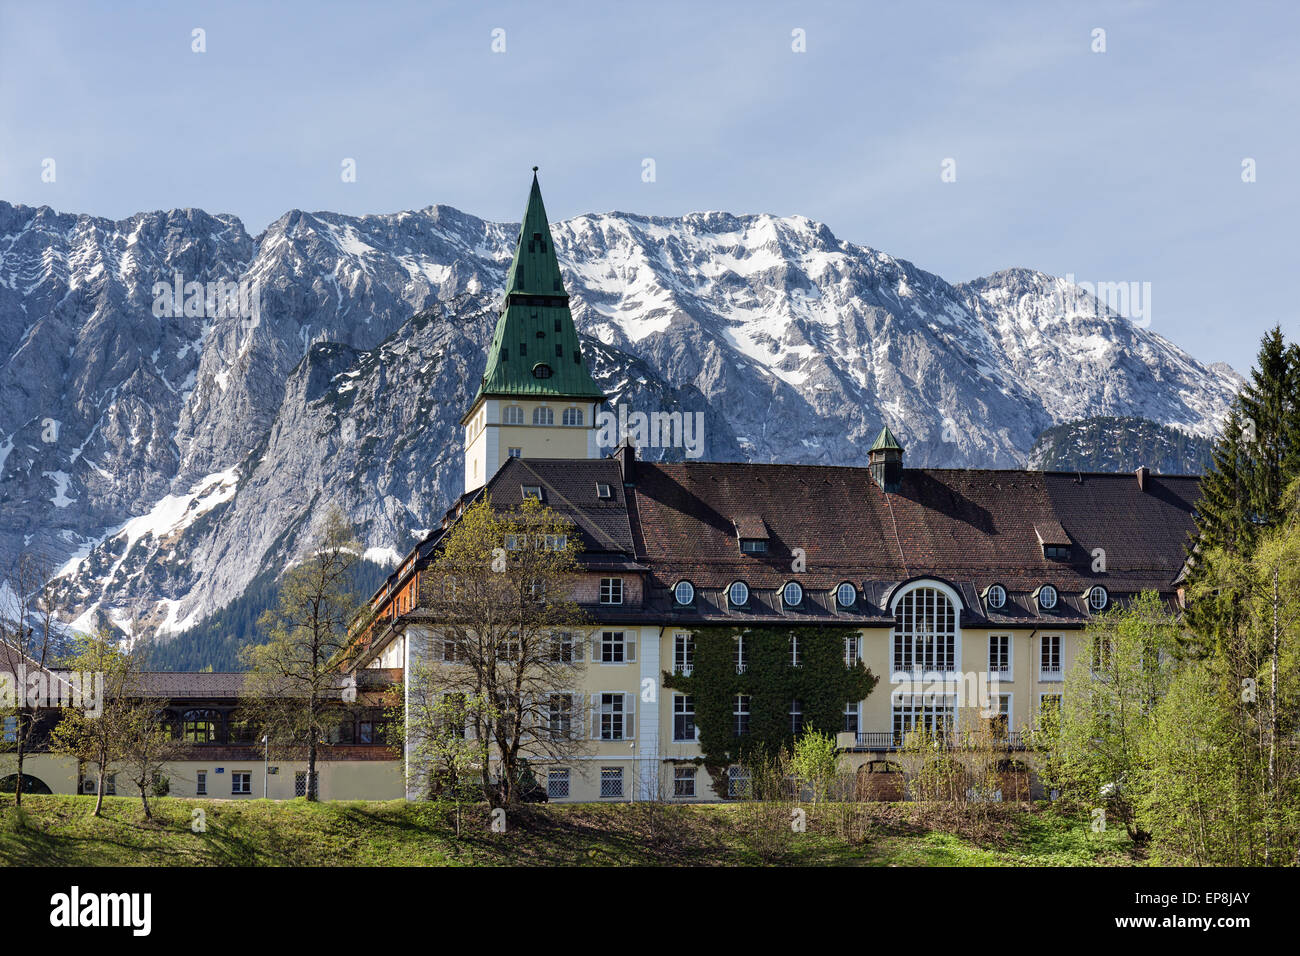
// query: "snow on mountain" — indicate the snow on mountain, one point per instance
point(173, 459)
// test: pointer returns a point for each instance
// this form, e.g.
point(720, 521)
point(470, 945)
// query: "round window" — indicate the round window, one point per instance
point(846, 595)
point(792, 594)
point(738, 594)
point(1098, 598)
point(1047, 597)
point(684, 593)
point(997, 596)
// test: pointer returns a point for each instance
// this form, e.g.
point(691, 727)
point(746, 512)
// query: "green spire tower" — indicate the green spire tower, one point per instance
point(537, 398)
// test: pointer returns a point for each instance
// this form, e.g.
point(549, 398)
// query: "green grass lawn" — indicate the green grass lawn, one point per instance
point(59, 831)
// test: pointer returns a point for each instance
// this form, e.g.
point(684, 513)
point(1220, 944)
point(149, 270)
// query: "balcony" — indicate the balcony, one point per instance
point(885, 740)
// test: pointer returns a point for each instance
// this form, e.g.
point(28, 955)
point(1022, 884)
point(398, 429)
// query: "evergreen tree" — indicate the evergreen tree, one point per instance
point(1254, 460)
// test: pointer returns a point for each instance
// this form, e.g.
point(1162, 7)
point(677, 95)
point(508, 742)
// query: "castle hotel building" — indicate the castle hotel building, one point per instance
point(923, 574)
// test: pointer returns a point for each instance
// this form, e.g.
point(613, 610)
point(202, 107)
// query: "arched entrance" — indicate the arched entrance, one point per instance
point(31, 784)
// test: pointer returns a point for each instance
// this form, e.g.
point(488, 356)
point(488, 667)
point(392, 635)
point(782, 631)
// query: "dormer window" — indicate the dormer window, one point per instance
point(996, 596)
point(532, 491)
point(1053, 540)
point(541, 370)
point(1098, 598)
point(684, 593)
point(792, 594)
point(751, 532)
point(738, 594)
point(604, 492)
point(846, 595)
point(1047, 597)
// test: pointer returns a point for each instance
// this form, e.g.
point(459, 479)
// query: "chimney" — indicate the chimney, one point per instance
point(886, 461)
point(1143, 473)
point(626, 455)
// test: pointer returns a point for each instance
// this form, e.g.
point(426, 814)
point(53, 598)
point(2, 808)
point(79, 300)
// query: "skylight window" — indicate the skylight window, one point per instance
point(532, 491)
point(604, 492)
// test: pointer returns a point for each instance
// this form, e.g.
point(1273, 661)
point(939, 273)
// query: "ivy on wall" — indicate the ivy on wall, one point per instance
point(823, 684)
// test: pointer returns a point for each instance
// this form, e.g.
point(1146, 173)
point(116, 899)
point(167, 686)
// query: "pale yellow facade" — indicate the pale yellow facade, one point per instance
point(498, 428)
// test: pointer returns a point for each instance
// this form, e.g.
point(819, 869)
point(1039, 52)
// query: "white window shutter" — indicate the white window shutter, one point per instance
point(629, 721)
point(578, 645)
point(629, 646)
point(579, 715)
point(595, 716)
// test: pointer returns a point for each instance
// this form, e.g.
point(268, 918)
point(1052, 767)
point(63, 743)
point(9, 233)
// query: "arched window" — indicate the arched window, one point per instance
point(573, 416)
point(1098, 598)
point(925, 632)
point(513, 415)
point(543, 416)
point(201, 726)
point(1047, 597)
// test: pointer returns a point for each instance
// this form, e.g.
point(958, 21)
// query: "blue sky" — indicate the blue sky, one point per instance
point(1117, 166)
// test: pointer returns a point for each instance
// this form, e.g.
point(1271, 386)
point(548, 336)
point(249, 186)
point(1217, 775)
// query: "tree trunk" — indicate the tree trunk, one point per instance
point(99, 790)
point(144, 798)
point(22, 749)
point(312, 795)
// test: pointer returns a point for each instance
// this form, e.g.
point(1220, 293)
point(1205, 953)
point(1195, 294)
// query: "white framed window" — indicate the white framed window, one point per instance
point(753, 546)
point(997, 596)
point(1049, 660)
point(852, 717)
point(683, 653)
point(796, 652)
point(933, 713)
point(514, 453)
point(846, 595)
point(11, 730)
point(1101, 653)
point(604, 492)
point(531, 491)
point(792, 594)
point(1047, 597)
point(611, 781)
point(543, 416)
point(512, 415)
point(572, 416)
point(1000, 725)
point(684, 719)
point(796, 717)
point(741, 712)
point(557, 783)
point(1000, 656)
point(738, 594)
point(566, 647)
point(737, 783)
point(611, 590)
point(559, 716)
point(683, 782)
point(684, 592)
point(241, 781)
point(852, 650)
point(1098, 598)
point(617, 647)
point(201, 783)
point(742, 661)
point(615, 716)
point(925, 632)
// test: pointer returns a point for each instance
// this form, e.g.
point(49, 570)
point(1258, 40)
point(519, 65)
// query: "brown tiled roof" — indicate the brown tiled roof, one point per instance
point(1051, 532)
point(192, 684)
point(970, 528)
point(751, 527)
